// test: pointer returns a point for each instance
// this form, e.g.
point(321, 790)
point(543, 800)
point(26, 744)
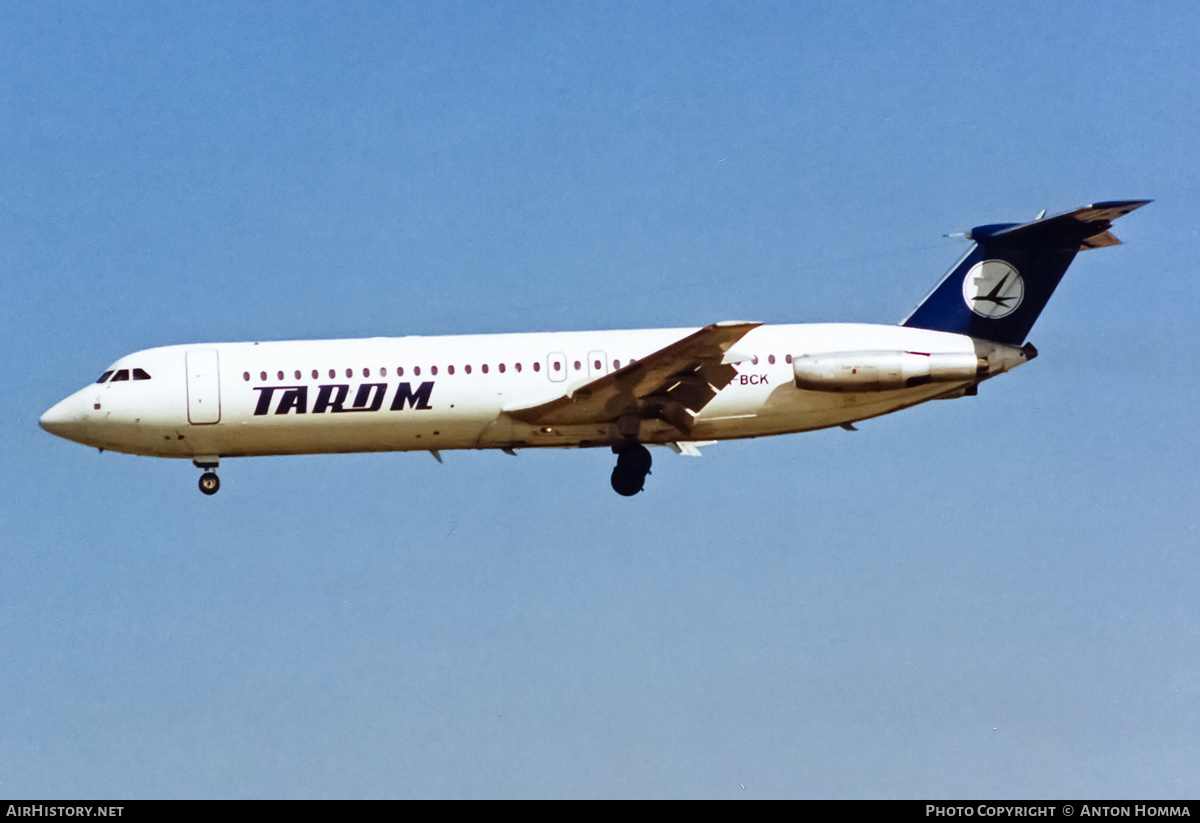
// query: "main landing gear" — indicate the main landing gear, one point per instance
point(210, 484)
point(633, 464)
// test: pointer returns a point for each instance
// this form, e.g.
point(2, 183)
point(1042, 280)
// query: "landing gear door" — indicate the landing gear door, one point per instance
point(203, 387)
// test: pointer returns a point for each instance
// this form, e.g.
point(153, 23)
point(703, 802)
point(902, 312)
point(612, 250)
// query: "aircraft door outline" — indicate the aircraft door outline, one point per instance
point(597, 364)
point(203, 387)
point(556, 366)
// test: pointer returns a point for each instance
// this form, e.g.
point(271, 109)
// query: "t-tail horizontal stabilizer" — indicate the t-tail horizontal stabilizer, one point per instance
point(1001, 285)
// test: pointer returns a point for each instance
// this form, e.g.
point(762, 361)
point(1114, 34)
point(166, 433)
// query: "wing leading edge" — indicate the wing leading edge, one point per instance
point(673, 384)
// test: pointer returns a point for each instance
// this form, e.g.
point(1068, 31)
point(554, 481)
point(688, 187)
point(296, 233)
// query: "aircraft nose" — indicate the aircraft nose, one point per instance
point(63, 418)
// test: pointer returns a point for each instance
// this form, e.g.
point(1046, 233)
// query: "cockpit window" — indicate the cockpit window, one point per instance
point(105, 376)
point(122, 374)
point(140, 374)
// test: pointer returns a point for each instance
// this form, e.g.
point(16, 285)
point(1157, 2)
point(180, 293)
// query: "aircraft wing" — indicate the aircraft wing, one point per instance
point(673, 384)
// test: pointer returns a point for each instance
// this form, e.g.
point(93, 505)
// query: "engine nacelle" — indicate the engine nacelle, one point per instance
point(863, 371)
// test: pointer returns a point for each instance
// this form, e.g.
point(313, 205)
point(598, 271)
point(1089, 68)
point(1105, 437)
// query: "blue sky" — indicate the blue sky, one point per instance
point(989, 597)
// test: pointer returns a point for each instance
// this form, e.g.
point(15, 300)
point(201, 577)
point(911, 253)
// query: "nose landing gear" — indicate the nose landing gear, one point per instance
point(633, 464)
point(210, 484)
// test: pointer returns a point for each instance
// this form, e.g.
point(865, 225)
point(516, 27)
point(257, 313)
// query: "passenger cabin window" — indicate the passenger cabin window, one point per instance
point(123, 374)
point(105, 376)
point(140, 374)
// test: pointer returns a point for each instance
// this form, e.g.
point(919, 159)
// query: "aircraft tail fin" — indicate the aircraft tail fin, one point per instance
point(998, 289)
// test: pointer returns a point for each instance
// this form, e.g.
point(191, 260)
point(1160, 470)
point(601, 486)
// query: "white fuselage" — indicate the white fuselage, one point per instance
point(433, 393)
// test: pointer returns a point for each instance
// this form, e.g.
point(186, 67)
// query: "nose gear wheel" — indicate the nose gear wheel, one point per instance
point(209, 483)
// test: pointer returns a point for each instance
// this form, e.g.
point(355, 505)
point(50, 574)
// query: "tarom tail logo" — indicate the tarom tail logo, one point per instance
point(993, 289)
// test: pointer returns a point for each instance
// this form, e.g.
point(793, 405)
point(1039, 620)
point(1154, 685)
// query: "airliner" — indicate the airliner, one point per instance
point(622, 390)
